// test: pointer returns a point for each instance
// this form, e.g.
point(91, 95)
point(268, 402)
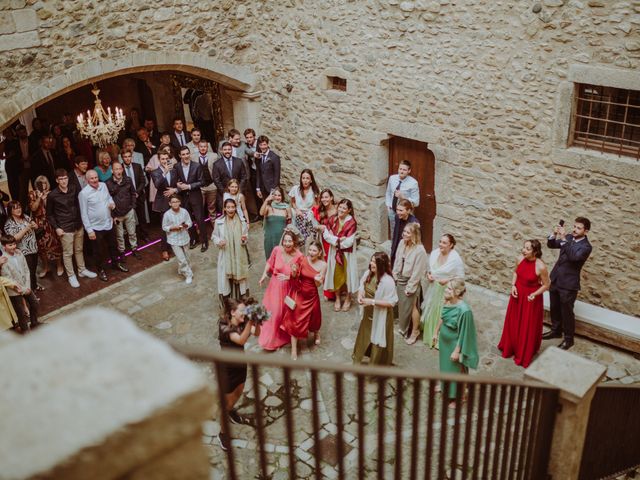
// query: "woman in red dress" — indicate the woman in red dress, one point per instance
point(522, 332)
point(323, 212)
point(282, 264)
point(306, 316)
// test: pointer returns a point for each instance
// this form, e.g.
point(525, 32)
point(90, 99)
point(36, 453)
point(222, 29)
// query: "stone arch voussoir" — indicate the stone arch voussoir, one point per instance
point(29, 96)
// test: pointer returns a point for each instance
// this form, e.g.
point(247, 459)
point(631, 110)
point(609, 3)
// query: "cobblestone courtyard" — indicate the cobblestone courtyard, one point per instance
point(161, 303)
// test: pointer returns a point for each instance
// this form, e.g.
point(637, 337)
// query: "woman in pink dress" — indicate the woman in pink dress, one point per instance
point(522, 332)
point(282, 264)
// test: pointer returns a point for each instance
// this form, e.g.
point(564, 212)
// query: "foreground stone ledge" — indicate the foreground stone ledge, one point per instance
point(92, 396)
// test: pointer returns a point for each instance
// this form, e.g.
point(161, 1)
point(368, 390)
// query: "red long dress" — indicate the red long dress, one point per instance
point(307, 316)
point(522, 332)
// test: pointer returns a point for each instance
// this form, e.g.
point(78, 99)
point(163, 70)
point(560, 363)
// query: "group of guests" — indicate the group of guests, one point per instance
point(174, 179)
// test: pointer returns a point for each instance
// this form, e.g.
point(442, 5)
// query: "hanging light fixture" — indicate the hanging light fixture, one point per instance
point(101, 127)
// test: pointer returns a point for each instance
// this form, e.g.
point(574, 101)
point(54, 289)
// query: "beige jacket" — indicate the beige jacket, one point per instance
point(415, 265)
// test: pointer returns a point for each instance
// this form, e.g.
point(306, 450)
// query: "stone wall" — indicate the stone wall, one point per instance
point(480, 81)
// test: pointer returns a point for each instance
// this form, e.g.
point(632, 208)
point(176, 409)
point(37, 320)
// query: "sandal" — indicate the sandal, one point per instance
point(346, 305)
point(413, 338)
point(337, 305)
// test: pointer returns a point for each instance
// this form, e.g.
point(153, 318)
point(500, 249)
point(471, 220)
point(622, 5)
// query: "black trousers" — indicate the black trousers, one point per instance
point(32, 263)
point(253, 181)
point(192, 202)
point(13, 179)
point(21, 311)
point(563, 320)
point(104, 245)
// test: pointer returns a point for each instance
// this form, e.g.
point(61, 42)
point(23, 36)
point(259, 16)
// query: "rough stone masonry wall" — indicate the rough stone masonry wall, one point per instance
point(481, 77)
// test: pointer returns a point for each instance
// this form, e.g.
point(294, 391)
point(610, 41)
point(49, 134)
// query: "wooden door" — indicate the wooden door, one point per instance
point(423, 170)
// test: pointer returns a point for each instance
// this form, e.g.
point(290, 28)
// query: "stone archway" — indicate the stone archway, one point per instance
point(237, 78)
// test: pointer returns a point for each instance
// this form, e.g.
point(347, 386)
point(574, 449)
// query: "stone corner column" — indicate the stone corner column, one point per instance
point(246, 109)
point(576, 378)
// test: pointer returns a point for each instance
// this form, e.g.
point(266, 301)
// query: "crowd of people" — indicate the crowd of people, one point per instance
point(195, 195)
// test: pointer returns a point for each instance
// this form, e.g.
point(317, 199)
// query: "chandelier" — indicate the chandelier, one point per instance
point(101, 127)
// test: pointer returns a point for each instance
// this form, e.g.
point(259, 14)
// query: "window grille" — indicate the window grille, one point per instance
point(607, 119)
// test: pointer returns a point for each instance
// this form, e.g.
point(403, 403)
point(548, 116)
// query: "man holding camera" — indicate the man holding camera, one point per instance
point(565, 278)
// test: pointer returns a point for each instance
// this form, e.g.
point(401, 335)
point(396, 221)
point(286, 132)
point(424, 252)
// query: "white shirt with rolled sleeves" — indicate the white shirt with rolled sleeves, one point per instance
point(174, 219)
point(409, 189)
point(94, 208)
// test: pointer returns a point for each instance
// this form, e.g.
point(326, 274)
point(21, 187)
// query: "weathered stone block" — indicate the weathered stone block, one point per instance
point(25, 20)
point(112, 397)
point(19, 40)
point(7, 25)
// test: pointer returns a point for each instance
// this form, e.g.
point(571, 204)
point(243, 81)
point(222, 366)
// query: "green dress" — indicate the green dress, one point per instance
point(273, 228)
point(363, 347)
point(431, 310)
point(457, 328)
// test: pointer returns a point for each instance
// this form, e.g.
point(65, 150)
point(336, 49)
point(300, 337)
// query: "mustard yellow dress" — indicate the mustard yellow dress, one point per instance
point(7, 313)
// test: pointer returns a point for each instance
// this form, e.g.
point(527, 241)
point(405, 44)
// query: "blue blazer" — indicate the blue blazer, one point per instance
point(566, 271)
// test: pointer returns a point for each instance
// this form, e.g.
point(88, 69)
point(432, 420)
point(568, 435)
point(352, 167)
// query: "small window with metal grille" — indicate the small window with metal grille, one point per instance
point(337, 83)
point(607, 119)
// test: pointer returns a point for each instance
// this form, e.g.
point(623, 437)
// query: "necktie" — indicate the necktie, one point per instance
point(130, 175)
point(229, 167)
point(203, 161)
point(394, 204)
point(49, 159)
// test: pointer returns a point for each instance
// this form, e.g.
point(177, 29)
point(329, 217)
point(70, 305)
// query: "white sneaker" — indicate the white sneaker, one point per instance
point(189, 280)
point(87, 273)
point(73, 281)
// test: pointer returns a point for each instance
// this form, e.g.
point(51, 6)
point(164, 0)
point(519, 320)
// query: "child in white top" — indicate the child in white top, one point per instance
point(233, 191)
point(176, 222)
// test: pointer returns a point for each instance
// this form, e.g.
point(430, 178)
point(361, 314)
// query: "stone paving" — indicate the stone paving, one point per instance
point(162, 304)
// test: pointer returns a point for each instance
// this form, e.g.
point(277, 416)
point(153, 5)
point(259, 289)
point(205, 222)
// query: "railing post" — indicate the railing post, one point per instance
point(576, 378)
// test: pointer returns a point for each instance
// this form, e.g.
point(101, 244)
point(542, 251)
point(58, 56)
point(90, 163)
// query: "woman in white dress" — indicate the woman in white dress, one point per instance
point(303, 198)
point(444, 265)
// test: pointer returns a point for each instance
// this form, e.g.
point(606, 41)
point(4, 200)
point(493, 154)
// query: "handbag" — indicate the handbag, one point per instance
point(290, 302)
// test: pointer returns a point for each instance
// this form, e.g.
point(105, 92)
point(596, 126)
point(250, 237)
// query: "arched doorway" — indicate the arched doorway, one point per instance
point(239, 81)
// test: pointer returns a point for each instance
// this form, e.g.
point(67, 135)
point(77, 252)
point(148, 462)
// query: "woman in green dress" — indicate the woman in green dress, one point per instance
point(444, 264)
point(456, 332)
point(276, 213)
point(377, 295)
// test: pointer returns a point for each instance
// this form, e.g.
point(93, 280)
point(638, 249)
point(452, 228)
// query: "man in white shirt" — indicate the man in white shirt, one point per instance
point(402, 185)
point(196, 138)
point(96, 205)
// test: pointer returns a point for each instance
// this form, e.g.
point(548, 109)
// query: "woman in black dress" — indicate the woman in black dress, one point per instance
point(234, 332)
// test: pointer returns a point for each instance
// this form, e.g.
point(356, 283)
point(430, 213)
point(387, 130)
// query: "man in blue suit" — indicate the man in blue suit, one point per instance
point(565, 278)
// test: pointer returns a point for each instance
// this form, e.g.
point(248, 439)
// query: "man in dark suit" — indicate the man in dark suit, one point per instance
point(18, 153)
point(190, 179)
point(45, 161)
point(267, 169)
point(226, 168)
point(166, 182)
point(565, 278)
point(136, 175)
point(154, 134)
point(179, 137)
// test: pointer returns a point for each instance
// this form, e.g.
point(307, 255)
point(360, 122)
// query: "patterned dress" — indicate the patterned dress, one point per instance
point(48, 243)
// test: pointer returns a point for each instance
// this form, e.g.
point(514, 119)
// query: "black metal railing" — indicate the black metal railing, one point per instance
point(384, 422)
point(612, 442)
